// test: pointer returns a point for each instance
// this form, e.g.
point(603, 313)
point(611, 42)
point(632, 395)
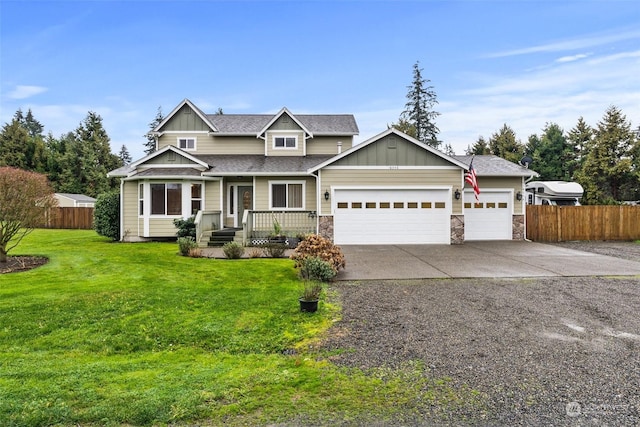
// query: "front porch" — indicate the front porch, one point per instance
point(259, 226)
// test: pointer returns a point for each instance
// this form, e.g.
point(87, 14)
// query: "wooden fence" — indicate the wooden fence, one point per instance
point(79, 218)
point(565, 223)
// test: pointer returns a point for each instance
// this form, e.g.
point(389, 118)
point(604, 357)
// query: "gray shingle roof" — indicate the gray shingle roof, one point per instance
point(318, 124)
point(490, 165)
point(78, 197)
point(170, 172)
point(258, 164)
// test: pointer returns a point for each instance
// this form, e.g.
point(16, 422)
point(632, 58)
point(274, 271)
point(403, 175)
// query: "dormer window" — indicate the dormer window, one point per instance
point(188, 144)
point(285, 142)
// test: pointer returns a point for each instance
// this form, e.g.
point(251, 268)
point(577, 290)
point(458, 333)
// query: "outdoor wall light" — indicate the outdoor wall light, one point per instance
point(519, 195)
point(326, 195)
point(457, 194)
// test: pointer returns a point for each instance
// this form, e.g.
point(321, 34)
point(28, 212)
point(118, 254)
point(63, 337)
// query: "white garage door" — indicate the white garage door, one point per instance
point(490, 219)
point(385, 216)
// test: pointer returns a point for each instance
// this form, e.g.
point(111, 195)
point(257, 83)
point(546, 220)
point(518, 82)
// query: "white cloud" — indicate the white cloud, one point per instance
point(573, 57)
point(573, 44)
point(23, 92)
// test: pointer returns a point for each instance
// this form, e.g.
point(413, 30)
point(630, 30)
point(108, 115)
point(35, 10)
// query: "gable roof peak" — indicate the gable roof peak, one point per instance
point(173, 112)
point(279, 114)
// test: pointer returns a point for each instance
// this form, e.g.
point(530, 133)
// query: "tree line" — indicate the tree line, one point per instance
point(604, 159)
point(76, 162)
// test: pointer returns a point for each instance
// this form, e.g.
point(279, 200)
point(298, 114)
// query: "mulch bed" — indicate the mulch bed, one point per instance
point(16, 264)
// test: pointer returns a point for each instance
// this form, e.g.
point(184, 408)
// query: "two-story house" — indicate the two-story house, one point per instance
point(303, 173)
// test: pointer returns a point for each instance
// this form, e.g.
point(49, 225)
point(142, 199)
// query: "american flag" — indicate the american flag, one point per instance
point(471, 178)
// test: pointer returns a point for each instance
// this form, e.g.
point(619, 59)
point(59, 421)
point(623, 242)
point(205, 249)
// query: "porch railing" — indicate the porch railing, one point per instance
point(207, 221)
point(261, 224)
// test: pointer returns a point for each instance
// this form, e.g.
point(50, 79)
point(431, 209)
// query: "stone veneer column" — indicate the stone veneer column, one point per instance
point(325, 228)
point(457, 229)
point(518, 227)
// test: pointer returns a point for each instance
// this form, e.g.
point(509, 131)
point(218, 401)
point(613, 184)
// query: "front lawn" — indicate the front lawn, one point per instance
point(110, 334)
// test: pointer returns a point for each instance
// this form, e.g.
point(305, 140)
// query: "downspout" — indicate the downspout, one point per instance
point(122, 210)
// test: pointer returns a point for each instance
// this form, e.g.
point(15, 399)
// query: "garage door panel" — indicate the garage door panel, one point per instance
point(490, 219)
point(391, 216)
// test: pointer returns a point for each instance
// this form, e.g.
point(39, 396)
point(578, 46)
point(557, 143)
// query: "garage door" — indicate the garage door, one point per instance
point(490, 219)
point(385, 216)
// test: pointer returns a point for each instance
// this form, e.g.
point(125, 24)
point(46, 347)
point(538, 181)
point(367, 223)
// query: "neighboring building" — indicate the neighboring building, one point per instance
point(67, 200)
point(304, 173)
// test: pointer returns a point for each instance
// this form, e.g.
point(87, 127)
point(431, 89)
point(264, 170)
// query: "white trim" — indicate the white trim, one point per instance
point(200, 114)
point(285, 137)
point(392, 167)
point(277, 116)
point(270, 183)
point(164, 150)
point(382, 135)
point(189, 132)
point(187, 139)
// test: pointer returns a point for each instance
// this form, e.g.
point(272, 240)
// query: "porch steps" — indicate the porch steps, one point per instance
point(219, 237)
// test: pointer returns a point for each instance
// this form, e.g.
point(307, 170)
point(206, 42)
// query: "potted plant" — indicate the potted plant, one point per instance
point(310, 296)
point(277, 236)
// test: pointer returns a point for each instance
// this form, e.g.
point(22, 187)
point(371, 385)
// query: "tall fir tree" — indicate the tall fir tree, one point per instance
point(150, 144)
point(578, 138)
point(124, 155)
point(504, 144)
point(419, 113)
point(606, 174)
point(479, 147)
point(551, 153)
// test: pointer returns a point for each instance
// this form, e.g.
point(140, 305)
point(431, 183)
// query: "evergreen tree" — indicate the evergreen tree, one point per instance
point(150, 145)
point(448, 150)
point(124, 155)
point(419, 112)
point(578, 138)
point(606, 174)
point(480, 147)
point(14, 139)
point(551, 154)
point(504, 144)
point(88, 159)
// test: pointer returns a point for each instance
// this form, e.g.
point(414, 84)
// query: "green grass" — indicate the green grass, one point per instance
point(111, 334)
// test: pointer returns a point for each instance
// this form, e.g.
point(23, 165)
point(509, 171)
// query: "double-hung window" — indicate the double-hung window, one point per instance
point(166, 199)
point(285, 142)
point(196, 198)
point(287, 195)
point(187, 143)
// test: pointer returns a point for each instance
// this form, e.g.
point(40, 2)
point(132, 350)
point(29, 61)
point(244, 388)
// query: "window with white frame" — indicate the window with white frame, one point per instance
point(285, 141)
point(287, 195)
point(196, 198)
point(187, 143)
point(141, 199)
point(166, 199)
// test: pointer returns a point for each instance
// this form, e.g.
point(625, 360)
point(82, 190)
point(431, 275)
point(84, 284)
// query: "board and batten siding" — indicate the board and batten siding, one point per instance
point(185, 118)
point(261, 191)
point(130, 223)
point(503, 183)
point(330, 178)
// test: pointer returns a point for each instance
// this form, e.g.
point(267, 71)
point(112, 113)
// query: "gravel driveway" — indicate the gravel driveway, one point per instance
point(549, 351)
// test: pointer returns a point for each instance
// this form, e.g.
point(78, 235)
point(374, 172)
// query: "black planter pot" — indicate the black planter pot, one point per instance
point(308, 306)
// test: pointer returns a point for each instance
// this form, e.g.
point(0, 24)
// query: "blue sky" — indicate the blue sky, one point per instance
point(523, 63)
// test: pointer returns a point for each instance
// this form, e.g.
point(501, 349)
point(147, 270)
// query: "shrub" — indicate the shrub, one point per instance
point(186, 227)
point(195, 253)
point(317, 246)
point(255, 252)
point(274, 250)
point(311, 291)
point(106, 215)
point(186, 244)
point(233, 250)
point(316, 269)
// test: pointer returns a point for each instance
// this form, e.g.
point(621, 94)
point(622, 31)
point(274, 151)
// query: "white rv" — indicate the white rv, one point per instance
point(558, 193)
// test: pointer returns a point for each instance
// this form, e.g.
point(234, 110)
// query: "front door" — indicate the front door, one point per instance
point(245, 202)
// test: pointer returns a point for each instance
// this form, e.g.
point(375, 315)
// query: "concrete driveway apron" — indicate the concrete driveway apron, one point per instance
point(477, 259)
